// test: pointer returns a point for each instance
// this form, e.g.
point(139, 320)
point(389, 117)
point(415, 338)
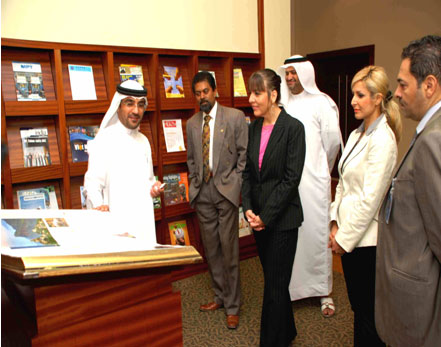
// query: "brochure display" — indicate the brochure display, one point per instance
point(239, 84)
point(42, 198)
point(174, 137)
point(176, 189)
point(28, 81)
point(78, 137)
point(35, 143)
point(173, 82)
point(131, 72)
point(179, 233)
point(81, 82)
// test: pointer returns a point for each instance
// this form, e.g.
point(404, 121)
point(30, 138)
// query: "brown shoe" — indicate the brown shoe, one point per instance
point(212, 306)
point(232, 321)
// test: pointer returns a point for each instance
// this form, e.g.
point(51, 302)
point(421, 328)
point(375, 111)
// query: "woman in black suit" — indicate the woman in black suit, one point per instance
point(270, 198)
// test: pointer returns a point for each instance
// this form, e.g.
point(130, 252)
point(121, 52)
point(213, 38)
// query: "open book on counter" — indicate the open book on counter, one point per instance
point(81, 241)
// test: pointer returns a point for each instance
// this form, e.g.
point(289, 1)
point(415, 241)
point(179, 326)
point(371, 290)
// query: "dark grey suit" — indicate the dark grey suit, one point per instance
point(217, 201)
point(408, 283)
point(272, 193)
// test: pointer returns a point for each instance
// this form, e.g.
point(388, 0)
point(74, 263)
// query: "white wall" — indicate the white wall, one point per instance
point(325, 25)
point(223, 25)
point(277, 32)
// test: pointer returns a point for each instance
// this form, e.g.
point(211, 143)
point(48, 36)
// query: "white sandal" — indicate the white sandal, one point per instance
point(327, 303)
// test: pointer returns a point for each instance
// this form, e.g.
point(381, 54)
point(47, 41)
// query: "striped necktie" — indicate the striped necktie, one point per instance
point(206, 148)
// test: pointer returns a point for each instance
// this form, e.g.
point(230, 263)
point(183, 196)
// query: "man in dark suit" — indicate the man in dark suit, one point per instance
point(408, 283)
point(217, 139)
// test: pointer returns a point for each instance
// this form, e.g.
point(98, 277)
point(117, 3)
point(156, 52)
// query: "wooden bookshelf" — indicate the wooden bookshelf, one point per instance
point(59, 112)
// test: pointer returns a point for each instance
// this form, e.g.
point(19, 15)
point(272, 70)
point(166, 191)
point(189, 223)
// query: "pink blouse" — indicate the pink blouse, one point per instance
point(264, 138)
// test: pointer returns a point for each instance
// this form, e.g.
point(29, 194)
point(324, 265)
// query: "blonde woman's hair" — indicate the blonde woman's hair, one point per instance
point(377, 82)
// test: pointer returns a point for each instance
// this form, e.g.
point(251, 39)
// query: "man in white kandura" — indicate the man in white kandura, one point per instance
point(120, 175)
point(312, 270)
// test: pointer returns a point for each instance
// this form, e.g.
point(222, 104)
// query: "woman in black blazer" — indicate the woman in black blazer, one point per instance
point(270, 198)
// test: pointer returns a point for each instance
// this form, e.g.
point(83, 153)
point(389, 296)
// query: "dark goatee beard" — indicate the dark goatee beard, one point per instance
point(206, 107)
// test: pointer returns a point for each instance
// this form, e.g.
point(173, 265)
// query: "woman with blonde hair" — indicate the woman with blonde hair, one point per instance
point(365, 170)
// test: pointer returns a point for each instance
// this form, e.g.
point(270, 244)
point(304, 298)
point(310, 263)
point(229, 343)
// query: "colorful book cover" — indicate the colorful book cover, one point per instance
point(131, 72)
point(26, 232)
point(78, 137)
point(173, 85)
point(28, 81)
point(35, 143)
point(82, 83)
point(157, 200)
point(179, 233)
point(42, 198)
point(244, 226)
point(176, 190)
point(239, 84)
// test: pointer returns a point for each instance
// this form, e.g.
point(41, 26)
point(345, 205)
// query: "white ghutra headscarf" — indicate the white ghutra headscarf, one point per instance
point(306, 74)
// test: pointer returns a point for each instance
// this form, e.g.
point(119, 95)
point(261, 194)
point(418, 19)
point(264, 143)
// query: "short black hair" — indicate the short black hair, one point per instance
point(203, 76)
point(425, 57)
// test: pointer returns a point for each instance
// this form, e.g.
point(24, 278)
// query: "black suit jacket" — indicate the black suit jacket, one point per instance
point(272, 193)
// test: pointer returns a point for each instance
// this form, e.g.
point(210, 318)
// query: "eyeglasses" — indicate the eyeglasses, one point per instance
point(130, 103)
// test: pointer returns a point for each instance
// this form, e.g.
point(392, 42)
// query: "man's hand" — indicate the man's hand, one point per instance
point(104, 208)
point(157, 188)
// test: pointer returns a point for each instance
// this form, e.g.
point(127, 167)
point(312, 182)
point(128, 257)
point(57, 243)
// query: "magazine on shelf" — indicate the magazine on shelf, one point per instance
point(78, 137)
point(82, 83)
point(131, 72)
point(173, 135)
point(173, 84)
point(176, 189)
point(26, 232)
point(239, 84)
point(179, 233)
point(157, 200)
point(42, 198)
point(244, 226)
point(28, 80)
point(35, 143)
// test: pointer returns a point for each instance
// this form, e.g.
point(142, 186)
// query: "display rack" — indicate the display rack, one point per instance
point(59, 112)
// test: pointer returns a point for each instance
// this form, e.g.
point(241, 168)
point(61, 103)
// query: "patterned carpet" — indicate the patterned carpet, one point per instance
point(209, 328)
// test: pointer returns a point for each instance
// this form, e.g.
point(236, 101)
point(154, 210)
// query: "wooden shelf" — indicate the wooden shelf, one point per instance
point(86, 106)
point(31, 108)
point(59, 112)
point(40, 173)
